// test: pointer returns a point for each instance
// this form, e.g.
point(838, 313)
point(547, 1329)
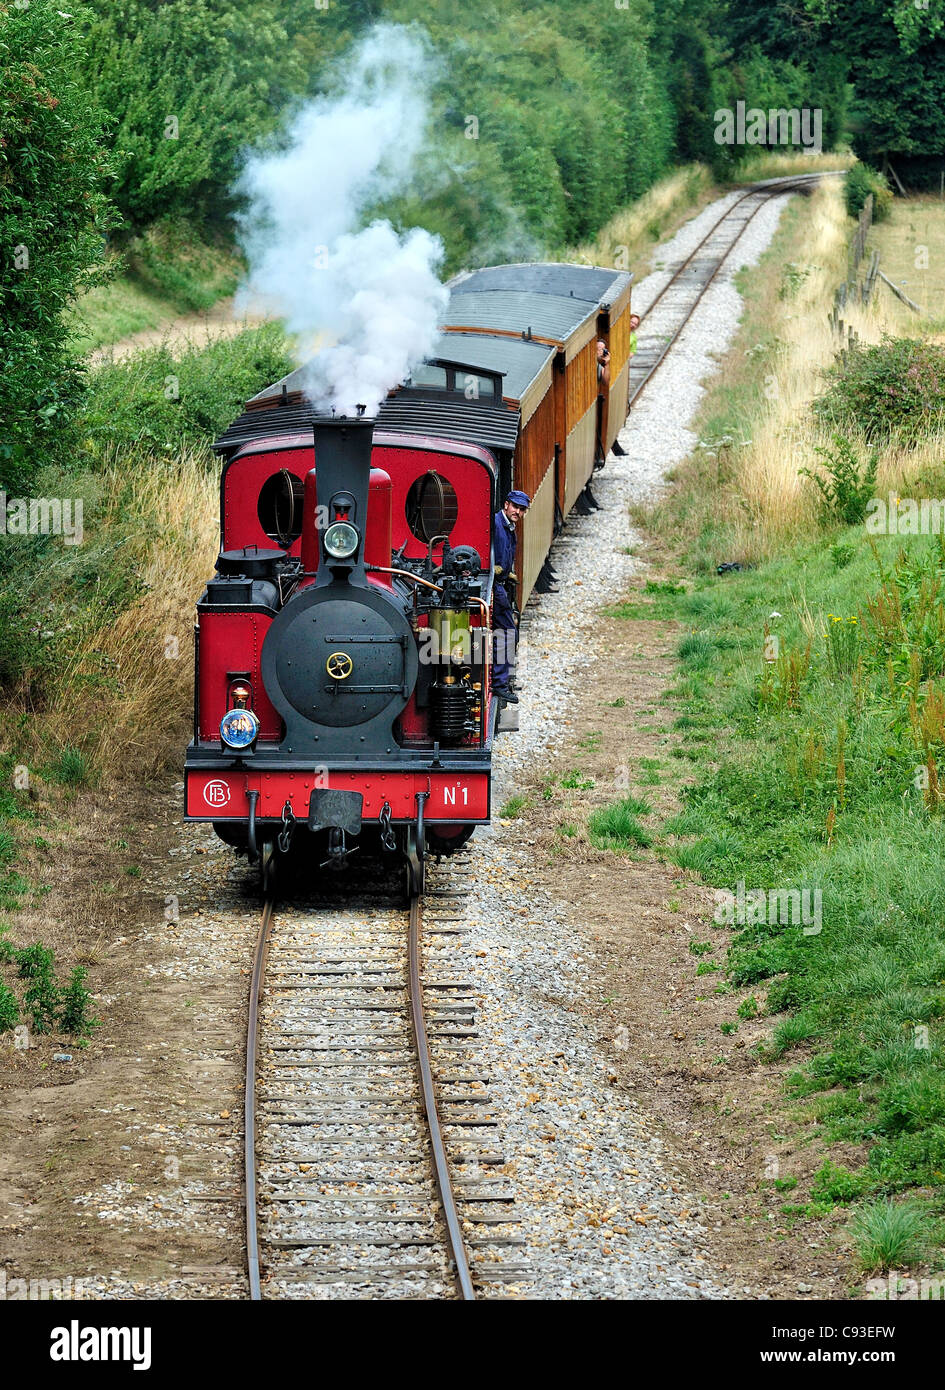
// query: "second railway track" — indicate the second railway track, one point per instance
point(350, 1191)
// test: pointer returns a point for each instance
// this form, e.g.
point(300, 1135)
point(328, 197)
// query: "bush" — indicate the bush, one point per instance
point(860, 182)
point(53, 217)
point(846, 490)
point(172, 400)
point(889, 390)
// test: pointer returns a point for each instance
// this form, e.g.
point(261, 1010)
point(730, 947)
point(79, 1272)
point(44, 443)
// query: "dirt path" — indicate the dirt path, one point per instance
point(197, 329)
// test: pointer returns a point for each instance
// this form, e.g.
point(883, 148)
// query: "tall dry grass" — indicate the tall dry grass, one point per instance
point(630, 237)
point(774, 164)
point(140, 716)
point(751, 490)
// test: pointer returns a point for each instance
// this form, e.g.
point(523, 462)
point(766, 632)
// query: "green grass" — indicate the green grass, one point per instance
point(166, 272)
point(616, 827)
point(115, 311)
point(818, 788)
point(513, 807)
point(889, 1233)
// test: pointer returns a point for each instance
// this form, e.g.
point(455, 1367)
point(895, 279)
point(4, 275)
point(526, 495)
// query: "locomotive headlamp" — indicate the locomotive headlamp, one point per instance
point(239, 728)
point(341, 540)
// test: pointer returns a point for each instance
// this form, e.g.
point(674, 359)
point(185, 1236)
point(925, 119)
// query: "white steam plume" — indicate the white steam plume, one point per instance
point(361, 302)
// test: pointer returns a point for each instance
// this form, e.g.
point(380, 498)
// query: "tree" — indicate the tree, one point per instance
point(188, 84)
point(53, 219)
point(894, 53)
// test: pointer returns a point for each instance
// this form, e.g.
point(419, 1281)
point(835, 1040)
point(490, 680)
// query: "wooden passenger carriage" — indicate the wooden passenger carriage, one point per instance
point(539, 324)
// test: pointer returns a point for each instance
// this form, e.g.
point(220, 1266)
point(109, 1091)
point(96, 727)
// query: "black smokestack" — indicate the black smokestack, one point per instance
point(342, 479)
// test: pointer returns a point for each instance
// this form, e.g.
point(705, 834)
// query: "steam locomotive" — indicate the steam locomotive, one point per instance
point(342, 646)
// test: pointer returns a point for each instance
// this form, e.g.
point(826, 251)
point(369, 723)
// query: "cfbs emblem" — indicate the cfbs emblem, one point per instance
point(216, 794)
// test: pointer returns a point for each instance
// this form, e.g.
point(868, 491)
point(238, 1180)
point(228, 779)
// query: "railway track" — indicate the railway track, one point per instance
point(682, 293)
point(372, 1157)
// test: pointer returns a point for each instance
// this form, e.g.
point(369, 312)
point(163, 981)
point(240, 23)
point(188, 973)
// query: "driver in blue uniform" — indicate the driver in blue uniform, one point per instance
point(503, 615)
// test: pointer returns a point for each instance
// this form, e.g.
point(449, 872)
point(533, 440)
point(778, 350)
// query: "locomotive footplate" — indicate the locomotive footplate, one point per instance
point(333, 810)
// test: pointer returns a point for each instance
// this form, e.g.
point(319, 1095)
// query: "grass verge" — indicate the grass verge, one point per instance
point(820, 671)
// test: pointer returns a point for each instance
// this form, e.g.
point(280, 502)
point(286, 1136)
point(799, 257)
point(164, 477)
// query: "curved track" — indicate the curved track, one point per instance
point(682, 293)
point(369, 1164)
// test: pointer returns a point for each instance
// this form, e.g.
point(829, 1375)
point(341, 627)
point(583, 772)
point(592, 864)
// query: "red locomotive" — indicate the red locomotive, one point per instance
point(342, 683)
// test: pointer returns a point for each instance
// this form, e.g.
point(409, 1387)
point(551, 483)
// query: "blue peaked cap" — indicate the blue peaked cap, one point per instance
point(519, 499)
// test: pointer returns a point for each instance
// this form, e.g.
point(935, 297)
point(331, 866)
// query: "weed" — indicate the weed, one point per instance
point(701, 948)
point(849, 484)
point(616, 704)
point(42, 999)
point(9, 1008)
point(792, 278)
point(748, 1008)
point(890, 1233)
point(836, 1185)
point(75, 1016)
point(513, 807)
point(576, 781)
point(34, 962)
point(728, 1028)
point(615, 827)
point(842, 554)
point(785, 1184)
point(843, 644)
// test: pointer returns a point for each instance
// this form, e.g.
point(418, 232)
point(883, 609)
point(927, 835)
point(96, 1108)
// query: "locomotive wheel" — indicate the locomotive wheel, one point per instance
point(448, 844)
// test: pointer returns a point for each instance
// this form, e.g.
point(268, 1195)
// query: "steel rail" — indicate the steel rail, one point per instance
point(249, 1101)
point(749, 192)
point(697, 300)
point(440, 1162)
point(765, 193)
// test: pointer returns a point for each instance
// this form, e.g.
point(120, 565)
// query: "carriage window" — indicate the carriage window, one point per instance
point(431, 507)
point(280, 507)
point(428, 375)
